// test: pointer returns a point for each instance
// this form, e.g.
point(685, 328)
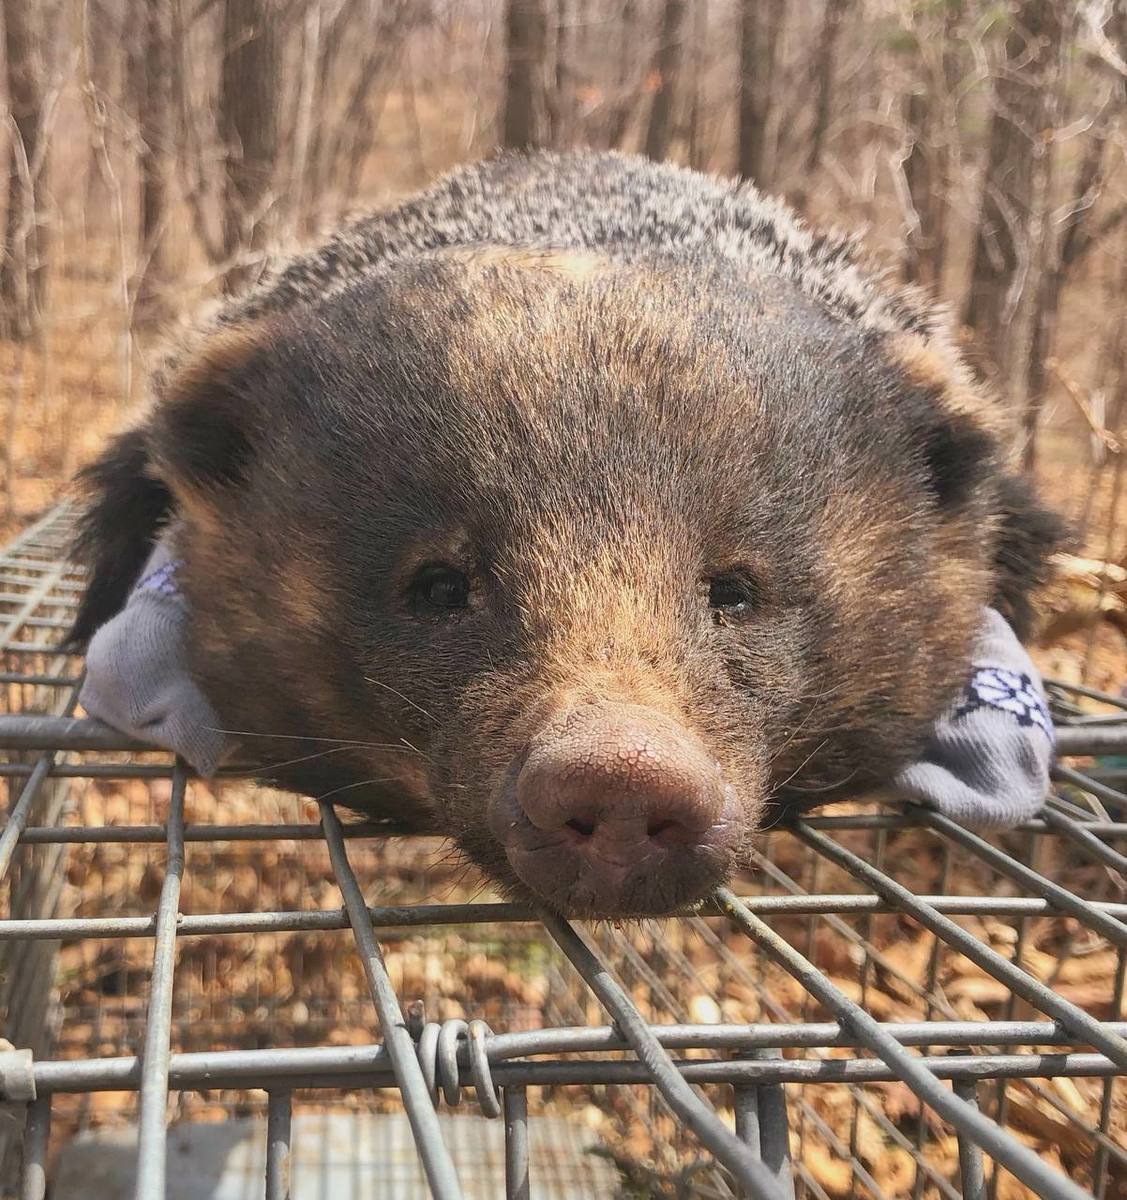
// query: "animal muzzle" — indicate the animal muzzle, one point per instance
point(617, 810)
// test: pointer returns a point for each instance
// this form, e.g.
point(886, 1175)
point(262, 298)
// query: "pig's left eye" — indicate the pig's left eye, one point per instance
point(439, 588)
point(735, 594)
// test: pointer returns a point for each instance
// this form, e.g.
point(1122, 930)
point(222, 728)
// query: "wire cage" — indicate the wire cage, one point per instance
point(886, 1005)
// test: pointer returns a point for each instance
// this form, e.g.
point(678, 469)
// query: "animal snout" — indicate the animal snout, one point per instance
point(617, 783)
point(618, 811)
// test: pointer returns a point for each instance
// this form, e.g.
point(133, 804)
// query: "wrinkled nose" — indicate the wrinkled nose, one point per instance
point(618, 811)
point(620, 783)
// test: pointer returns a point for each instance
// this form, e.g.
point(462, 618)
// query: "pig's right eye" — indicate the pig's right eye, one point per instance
point(439, 588)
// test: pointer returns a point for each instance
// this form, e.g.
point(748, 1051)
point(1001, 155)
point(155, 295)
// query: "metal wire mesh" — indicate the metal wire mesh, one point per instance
point(716, 1036)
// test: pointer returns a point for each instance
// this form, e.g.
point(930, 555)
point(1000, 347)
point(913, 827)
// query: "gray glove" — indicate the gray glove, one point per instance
point(137, 671)
point(987, 762)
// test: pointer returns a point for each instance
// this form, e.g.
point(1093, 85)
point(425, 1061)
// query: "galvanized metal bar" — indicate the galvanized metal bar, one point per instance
point(435, 1157)
point(1102, 791)
point(32, 732)
point(971, 1175)
point(515, 1100)
point(417, 916)
point(1000, 1114)
point(53, 601)
point(36, 648)
point(298, 832)
point(278, 1112)
point(151, 1138)
point(749, 1172)
point(38, 680)
point(1018, 981)
point(37, 1132)
point(1061, 898)
point(356, 1066)
point(774, 1127)
point(1026, 1165)
point(1081, 689)
point(1079, 834)
point(16, 620)
point(1106, 1148)
point(910, 819)
point(1105, 739)
point(745, 1108)
point(20, 813)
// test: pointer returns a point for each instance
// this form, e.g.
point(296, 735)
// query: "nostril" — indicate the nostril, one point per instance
point(583, 828)
point(669, 833)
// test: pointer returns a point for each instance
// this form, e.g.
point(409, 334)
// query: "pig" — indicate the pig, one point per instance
point(588, 511)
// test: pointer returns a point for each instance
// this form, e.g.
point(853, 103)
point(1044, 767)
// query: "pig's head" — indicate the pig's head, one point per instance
point(582, 566)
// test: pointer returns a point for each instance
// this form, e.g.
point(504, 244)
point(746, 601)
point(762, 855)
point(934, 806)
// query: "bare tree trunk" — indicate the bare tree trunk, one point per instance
point(760, 26)
point(336, 26)
point(697, 151)
point(561, 102)
point(248, 126)
point(825, 69)
point(666, 75)
point(526, 29)
point(1073, 229)
point(623, 108)
point(23, 271)
point(931, 128)
point(155, 124)
point(927, 184)
point(104, 58)
point(1005, 241)
point(303, 116)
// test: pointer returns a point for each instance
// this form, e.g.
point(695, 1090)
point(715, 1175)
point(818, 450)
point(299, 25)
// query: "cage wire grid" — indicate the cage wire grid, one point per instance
point(765, 1072)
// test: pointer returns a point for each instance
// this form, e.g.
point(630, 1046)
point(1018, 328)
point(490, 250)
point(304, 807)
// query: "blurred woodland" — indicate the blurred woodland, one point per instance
point(158, 151)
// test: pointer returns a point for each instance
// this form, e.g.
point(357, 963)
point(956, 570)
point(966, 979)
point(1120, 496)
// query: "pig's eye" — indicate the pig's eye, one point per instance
point(734, 595)
point(439, 588)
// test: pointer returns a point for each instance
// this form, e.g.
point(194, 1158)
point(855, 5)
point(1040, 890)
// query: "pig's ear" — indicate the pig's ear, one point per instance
point(124, 505)
point(201, 434)
point(195, 443)
point(1028, 536)
point(962, 429)
point(954, 425)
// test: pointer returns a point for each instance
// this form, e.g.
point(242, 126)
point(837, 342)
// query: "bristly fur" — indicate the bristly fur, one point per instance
point(591, 382)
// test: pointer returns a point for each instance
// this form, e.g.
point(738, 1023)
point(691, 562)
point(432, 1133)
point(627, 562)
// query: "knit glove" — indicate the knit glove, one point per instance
point(986, 764)
point(137, 676)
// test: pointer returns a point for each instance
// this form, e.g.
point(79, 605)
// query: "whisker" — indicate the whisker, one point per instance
point(802, 764)
point(304, 737)
point(288, 762)
point(359, 783)
point(406, 699)
point(415, 749)
point(826, 787)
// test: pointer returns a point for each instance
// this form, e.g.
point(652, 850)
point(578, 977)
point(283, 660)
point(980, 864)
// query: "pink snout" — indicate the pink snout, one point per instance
point(617, 811)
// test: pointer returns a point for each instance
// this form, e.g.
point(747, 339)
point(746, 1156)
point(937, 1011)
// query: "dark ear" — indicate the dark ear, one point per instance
point(200, 432)
point(193, 445)
point(952, 425)
point(1029, 534)
point(125, 505)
